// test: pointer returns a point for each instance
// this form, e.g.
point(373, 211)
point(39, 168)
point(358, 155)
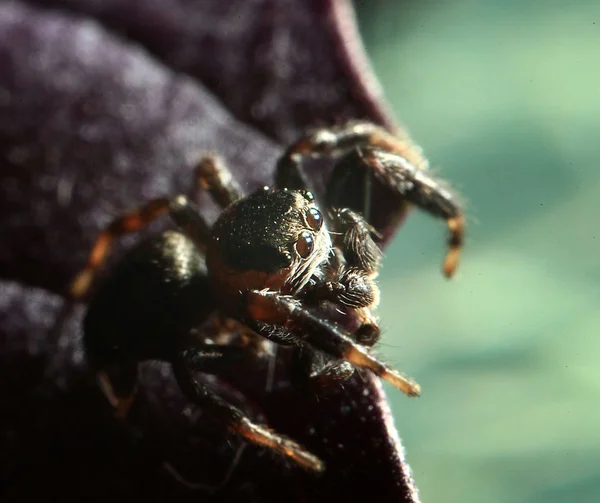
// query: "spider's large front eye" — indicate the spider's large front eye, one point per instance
point(314, 219)
point(305, 244)
point(308, 195)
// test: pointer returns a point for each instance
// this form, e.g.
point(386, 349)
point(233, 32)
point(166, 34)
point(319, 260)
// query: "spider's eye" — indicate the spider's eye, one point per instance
point(305, 244)
point(308, 195)
point(314, 219)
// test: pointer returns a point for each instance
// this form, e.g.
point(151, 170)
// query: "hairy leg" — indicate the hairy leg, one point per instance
point(180, 209)
point(199, 359)
point(213, 175)
point(266, 310)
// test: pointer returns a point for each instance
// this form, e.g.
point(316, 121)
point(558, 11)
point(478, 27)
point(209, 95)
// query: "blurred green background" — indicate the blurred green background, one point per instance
point(504, 96)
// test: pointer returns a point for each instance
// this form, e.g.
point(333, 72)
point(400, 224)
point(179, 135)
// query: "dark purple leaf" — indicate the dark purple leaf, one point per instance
point(279, 65)
point(91, 124)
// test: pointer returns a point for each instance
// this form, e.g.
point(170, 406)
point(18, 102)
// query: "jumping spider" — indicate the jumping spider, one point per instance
point(270, 262)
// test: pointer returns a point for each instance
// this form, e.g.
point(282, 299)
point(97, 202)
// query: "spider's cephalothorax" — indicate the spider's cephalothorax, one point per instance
point(272, 263)
point(272, 239)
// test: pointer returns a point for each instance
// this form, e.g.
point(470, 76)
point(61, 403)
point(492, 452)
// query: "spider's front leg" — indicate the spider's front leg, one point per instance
point(267, 309)
point(409, 184)
point(334, 141)
point(367, 150)
point(218, 360)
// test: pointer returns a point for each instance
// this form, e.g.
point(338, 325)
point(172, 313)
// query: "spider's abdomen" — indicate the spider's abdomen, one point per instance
point(151, 300)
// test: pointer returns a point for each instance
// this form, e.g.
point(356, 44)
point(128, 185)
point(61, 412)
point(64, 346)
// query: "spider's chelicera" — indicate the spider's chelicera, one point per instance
point(271, 263)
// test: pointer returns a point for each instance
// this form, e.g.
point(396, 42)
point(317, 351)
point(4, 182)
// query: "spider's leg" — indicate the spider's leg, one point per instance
point(180, 209)
point(213, 175)
point(408, 183)
point(118, 382)
point(340, 138)
point(216, 359)
point(266, 309)
point(289, 173)
point(192, 361)
point(404, 173)
point(334, 141)
point(315, 368)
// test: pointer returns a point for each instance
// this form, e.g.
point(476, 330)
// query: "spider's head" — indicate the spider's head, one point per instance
point(273, 239)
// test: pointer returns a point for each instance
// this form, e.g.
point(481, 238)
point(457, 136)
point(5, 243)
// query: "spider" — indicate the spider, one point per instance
point(271, 263)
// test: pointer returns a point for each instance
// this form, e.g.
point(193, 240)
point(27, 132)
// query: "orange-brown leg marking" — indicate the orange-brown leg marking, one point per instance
point(420, 189)
point(129, 222)
point(361, 357)
point(121, 404)
point(381, 138)
point(284, 446)
point(456, 226)
point(186, 370)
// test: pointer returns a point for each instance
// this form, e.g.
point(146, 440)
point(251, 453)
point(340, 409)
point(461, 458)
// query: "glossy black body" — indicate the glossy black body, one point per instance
point(147, 306)
point(255, 232)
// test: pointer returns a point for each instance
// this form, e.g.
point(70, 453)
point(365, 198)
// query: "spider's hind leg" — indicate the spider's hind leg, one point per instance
point(178, 207)
point(211, 174)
